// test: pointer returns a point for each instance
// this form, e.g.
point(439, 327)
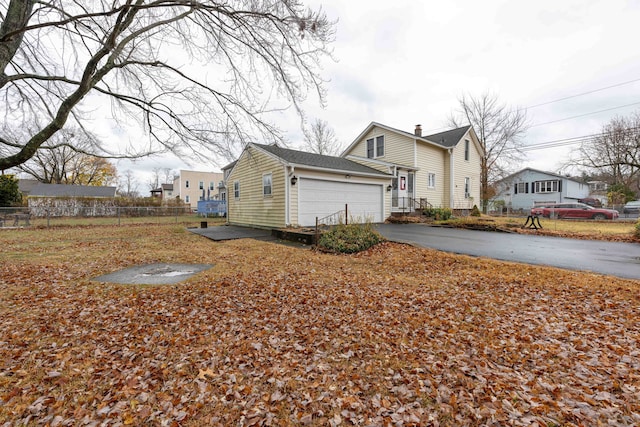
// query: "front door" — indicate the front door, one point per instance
point(399, 196)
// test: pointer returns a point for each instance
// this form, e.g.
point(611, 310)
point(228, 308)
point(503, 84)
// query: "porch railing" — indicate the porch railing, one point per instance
point(409, 204)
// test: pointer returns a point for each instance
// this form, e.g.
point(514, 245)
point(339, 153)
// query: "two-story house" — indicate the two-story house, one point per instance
point(384, 170)
point(193, 186)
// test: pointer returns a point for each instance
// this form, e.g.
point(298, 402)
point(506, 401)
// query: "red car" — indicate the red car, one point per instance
point(574, 210)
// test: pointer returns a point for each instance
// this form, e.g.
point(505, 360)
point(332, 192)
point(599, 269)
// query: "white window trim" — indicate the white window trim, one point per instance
point(554, 186)
point(264, 186)
point(467, 150)
point(236, 190)
point(375, 147)
point(431, 180)
point(467, 187)
point(201, 185)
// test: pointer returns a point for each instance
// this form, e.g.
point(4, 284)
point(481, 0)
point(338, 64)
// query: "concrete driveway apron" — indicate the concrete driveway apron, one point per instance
point(610, 258)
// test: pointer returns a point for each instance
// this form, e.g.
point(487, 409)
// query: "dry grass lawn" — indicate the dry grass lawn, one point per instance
point(276, 335)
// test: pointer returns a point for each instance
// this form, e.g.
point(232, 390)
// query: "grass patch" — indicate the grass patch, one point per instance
point(614, 230)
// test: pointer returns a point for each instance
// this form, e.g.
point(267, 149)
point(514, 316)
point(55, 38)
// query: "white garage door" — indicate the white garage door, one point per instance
point(318, 198)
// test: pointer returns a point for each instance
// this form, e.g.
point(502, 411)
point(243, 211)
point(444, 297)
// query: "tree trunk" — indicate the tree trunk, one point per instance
point(18, 14)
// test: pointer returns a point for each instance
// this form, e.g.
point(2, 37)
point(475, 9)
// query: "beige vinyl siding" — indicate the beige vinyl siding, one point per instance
point(253, 208)
point(193, 191)
point(466, 168)
point(384, 182)
point(397, 148)
point(432, 160)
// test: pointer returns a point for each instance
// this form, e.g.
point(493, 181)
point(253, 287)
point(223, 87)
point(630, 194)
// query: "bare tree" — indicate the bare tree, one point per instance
point(66, 159)
point(615, 153)
point(194, 76)
point(320, 138)
point(128, 186)
point(154, 181)
point(499, 130)
point(168, 175)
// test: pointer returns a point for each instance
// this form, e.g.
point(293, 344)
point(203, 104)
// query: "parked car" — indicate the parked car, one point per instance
point(574, 210)
point(591, 202)
point(631, 207)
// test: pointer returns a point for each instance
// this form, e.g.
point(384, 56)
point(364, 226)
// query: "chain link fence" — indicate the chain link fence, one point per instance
point(97, 215)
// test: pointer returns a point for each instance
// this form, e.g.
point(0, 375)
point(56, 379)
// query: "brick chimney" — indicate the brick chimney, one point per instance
point(418, 131)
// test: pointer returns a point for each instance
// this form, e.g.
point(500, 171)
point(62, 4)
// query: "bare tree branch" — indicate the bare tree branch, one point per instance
point(500, 131)
point(321, 139)
point(68, 62)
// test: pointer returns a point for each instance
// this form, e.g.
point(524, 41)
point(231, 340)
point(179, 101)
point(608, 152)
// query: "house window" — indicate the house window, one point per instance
point(466, 149)
point(212, 185)
point(380, 146)
point(521, 188)
point(375, 147)
point(431, 180)
point(236, 189)
point(266, 184)
point(551, 186)
point(223, 196)
point(186, 184)
point(187, 199)
point(201, 185)
point(467, 187)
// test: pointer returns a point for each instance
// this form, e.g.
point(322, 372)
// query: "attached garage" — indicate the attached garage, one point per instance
point(321, 198)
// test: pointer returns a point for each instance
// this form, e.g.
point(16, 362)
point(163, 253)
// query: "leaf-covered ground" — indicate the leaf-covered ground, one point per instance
point(277, 335)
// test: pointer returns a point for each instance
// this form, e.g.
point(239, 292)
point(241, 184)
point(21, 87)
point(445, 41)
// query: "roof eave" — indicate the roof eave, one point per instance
point(341, 171)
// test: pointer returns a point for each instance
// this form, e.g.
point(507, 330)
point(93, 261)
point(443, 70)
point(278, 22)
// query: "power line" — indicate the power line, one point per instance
point(581, 94)
point(585, 114)
point(568, 141)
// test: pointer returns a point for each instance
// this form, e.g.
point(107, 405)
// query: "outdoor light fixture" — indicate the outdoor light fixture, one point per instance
point(294, 179)
point(389, 187)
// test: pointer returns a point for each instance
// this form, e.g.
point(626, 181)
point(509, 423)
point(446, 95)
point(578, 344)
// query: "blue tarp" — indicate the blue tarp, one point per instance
point(212, 207)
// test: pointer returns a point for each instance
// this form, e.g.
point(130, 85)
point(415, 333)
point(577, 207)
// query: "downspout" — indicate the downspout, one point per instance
point(451, 179)
point(287, 214)
point(287, 177)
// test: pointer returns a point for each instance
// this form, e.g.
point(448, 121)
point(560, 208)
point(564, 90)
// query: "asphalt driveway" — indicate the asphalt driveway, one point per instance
point(611, 258)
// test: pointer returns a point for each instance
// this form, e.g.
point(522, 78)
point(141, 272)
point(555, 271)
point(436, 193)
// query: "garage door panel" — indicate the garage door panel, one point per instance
point(319, 198)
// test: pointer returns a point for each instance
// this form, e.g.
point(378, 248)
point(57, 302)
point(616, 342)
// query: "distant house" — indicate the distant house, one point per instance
point(192, 186)
point(530, 187)
point(71, 200)
point(164, 192)
point(26, 185)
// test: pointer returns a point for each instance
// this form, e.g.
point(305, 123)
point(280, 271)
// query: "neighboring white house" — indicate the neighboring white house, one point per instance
point(530, 187)
point(192, 186)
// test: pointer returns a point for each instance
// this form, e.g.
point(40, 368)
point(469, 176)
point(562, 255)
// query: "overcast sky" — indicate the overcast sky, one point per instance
point(406, 62)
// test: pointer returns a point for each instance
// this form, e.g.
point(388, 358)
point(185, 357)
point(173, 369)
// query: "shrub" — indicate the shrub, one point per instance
point(475, 211)
point(637, 229)
point(350, 238)
point(439, 214)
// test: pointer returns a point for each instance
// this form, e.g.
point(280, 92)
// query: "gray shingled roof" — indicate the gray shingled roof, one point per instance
point(448, 138)
point(318, 160)
point(63, 190)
